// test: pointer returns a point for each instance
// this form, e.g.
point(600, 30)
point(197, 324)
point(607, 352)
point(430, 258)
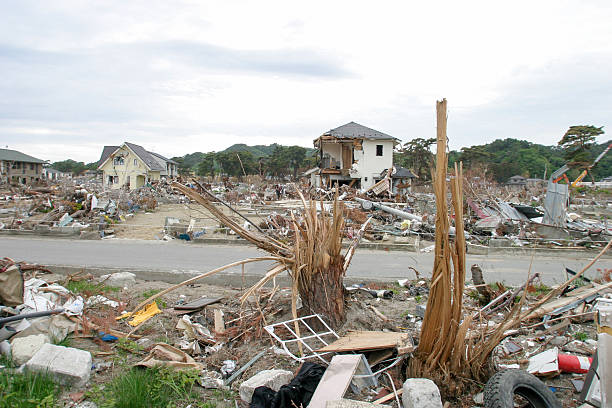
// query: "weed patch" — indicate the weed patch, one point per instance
point(151, 292)
point(89, 288)
point(35, 390)
point(582, 336)
point(157, 387)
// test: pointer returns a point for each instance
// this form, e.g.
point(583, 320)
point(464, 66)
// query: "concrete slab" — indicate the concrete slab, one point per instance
point(273, 379)
point(67, 365)
point(23, 348)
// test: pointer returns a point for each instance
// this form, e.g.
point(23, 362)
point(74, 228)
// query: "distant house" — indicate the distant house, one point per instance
point(535, 182)
point(19, 168)
point(54, 175)
point(401, 179)
point(353, 154)
point(517, 182)
point(132, 166)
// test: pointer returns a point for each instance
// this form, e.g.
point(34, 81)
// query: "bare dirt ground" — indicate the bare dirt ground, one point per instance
point(150, 224)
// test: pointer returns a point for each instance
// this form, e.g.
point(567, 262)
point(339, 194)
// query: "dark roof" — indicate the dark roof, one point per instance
point(145, 156)
point(354, 130)
point(14, 155)
point(400, 173)
point(107, 151)
point(163, 158)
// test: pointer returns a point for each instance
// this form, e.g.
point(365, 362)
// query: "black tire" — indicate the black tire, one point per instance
point(503, 386)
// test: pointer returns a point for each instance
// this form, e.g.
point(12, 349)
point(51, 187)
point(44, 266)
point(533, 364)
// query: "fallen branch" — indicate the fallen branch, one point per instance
point(195, 278)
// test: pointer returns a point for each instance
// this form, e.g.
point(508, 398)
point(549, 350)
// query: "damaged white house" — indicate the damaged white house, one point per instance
point(352, 154)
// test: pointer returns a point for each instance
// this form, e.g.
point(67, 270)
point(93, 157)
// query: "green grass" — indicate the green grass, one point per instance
point(418, 298)
point(148, 293)
point(473, 294)
point(582, 336)
point(66, 342)
point(162, 339)
point(89, 288)
point(127, 345)
point(540, 289)
point(580, 282)
point(26, 390)
point(157, 387)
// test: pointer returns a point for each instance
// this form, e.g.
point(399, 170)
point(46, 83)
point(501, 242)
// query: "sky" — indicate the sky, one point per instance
point(183, 76)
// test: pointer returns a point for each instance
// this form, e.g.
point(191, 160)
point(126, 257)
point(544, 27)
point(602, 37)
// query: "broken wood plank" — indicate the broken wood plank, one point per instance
point(369, 340)
point(376, 356)
point(335, 380)
point(219, 322)
point(379, 314)
point(197, 304)
point(388, 397)
point(573, 296)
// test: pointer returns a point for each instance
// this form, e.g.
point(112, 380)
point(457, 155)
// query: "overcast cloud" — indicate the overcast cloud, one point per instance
point(185, 76)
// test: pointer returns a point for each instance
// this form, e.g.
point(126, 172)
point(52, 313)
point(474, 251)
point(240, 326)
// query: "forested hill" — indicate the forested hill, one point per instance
point(503, 159)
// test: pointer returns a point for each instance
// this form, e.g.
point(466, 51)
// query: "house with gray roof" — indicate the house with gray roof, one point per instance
point(353, 154)
point(19, 168)
point(132, 166)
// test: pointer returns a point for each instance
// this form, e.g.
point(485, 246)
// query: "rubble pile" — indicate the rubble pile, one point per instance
point(251, 351)
point(77, 206)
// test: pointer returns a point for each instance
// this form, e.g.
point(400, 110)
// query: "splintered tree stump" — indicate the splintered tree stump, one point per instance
point(324, 294)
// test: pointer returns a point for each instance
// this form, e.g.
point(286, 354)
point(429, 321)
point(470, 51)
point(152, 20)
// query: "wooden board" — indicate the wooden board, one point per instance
point(335, 380)
point(577, 294)
point(368, 340)
point(197, 304)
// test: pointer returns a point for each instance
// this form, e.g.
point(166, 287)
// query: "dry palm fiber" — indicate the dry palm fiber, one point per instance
point(313, 260)
point(446, 361)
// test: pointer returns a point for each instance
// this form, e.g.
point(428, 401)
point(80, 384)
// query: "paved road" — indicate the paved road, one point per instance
point(178, 256)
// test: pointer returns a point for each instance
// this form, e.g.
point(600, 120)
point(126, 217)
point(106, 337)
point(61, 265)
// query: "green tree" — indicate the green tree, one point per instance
point(296, 156)
point(279, 161)
point(471, 156)
point(207, 166)
point(577, 142)
point(231, 165)
point(417, 156)
point(69, 166)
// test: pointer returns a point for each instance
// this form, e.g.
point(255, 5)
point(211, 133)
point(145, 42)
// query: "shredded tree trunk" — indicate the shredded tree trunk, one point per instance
point(441, 354)
point(313, 260)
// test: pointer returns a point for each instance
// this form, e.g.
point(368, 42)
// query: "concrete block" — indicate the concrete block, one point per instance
point(119, 279)
point(347, 403)
point(67, 365)
point(269, 378)
point(23, 348)
point(421, 393)
point(90, 235)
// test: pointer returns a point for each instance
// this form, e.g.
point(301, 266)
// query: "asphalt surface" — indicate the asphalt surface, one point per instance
point(141, 256)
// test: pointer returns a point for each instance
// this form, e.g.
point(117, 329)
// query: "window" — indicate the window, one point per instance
point(31, 166)
point(379, 150)
point(113, 179)
point(118, 161)
point(135, 162)
point(16, 165)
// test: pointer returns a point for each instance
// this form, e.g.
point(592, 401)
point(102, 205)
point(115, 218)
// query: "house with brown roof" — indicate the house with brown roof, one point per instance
point(19, 168)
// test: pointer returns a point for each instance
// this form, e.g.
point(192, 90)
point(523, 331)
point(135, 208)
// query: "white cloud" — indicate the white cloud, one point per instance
point(183, 76)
